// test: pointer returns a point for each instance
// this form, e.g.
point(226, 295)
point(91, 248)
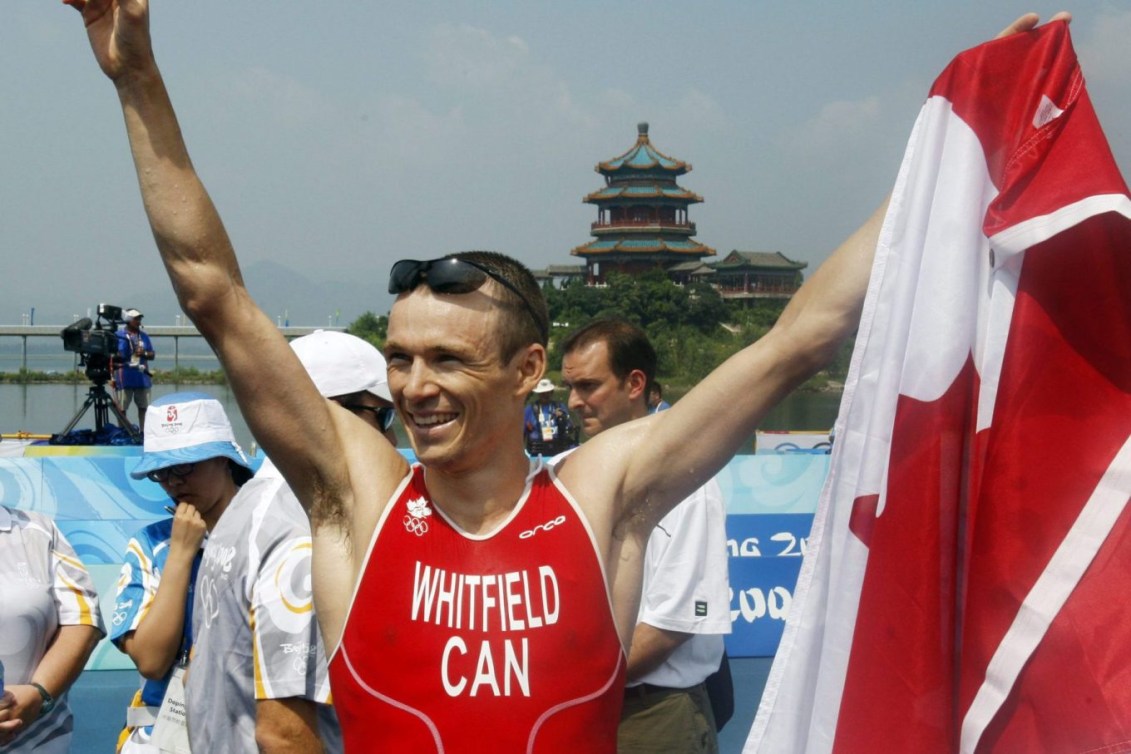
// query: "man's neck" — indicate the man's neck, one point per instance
point(479, 498)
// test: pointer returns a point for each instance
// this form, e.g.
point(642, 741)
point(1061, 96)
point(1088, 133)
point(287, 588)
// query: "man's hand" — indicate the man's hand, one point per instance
point(119, 34)
point(188, 532)
point(10, 722)
point(19, 708)
point(1029, 22)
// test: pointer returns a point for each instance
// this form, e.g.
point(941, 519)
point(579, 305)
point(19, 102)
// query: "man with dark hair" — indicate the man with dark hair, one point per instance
point(458, 594)
point(608, 366)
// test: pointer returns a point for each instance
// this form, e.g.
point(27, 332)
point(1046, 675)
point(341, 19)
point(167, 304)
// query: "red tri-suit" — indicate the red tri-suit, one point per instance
point(503, 642)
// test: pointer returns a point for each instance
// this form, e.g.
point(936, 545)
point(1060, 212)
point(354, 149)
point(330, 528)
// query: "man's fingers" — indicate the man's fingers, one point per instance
point(1029, 21)
point(1024, 23)
point(97, 9)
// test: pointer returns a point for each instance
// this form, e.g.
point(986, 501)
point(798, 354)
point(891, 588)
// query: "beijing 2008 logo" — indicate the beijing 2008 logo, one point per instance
point(171, 414)
point(416, 520)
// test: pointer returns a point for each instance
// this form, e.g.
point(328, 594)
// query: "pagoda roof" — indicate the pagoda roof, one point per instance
point(643, 156)
point(643, 192)
point(737, 260)
point(683, 247)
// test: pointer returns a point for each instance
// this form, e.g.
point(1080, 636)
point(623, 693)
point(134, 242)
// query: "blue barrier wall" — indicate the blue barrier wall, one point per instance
point(770, 503)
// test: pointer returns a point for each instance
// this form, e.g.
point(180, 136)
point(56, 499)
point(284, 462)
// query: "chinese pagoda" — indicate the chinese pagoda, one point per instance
point(641, 215)
point(757, 274)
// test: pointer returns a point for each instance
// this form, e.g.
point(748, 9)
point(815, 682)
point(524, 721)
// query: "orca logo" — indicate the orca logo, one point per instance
point(543, 527)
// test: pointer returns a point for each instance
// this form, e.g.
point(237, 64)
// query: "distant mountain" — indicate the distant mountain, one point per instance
point(285, 295)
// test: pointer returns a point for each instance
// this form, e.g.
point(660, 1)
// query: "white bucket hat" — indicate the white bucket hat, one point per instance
point(545, 386)
point(186, 428)
point(341, 364)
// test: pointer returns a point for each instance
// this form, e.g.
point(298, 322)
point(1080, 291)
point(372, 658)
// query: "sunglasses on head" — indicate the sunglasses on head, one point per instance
point(177, 470)
point(453, 275)
point(385, 414)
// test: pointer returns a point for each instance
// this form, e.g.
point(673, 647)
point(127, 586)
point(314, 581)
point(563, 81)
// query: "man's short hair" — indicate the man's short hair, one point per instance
point(628, 345)
point(520, 326)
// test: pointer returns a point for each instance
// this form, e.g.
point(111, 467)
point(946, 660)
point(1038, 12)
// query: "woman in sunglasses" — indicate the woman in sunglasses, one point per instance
point(191, 452)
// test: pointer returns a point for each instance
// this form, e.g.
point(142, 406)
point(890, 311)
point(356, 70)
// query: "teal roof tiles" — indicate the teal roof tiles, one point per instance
point(643, 192)
point(643, 246)
point(643, 156)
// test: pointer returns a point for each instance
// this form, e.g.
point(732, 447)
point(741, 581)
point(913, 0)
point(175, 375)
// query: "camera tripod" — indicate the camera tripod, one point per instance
point(104, 405)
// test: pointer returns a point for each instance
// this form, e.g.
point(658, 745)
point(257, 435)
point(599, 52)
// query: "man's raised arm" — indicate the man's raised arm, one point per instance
point(722, 411)
point(284, 410)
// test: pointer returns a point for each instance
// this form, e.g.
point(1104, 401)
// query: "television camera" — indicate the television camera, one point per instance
point(96, 344)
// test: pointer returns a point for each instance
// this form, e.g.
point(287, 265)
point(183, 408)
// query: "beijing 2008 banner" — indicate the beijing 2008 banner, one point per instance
point(970, 560)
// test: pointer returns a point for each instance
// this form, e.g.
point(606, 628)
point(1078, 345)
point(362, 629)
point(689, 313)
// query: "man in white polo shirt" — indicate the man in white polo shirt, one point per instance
point(608, 366)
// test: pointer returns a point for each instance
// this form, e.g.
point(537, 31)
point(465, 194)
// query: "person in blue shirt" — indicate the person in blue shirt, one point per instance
point(131, 367)
point(549, 430)
point(191, 452)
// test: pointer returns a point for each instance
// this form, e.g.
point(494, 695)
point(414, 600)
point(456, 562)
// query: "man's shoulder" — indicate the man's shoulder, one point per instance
point(265, 510)
point(21, 518)
point(149, 544)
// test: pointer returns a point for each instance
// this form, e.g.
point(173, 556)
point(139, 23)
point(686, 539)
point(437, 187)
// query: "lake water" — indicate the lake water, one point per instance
point(46, 354)
point(48, 408)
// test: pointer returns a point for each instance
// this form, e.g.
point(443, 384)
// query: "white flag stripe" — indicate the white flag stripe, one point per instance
point(993, 337)
point(1033, 231)
point(1049, 594)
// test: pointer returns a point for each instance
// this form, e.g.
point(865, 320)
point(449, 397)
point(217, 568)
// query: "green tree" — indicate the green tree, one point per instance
point(371, 327)
point(692, 328)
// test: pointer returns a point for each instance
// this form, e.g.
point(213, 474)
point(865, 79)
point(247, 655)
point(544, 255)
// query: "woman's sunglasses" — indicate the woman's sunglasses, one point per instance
point(453, 275)
point(178, 470)
point(385, 414)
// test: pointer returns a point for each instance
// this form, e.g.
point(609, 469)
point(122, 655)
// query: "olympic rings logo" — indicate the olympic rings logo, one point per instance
point(417, 526)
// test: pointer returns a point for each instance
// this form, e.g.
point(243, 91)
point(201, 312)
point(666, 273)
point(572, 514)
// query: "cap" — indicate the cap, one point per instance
point(186, 428)
point(341, 364)
point(545, 386)
point(131, 313)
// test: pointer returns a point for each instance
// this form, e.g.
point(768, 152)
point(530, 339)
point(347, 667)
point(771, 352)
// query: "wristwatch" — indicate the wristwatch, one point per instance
point(48, 700)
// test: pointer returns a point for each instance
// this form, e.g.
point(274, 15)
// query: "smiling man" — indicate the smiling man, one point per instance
point(474, 601)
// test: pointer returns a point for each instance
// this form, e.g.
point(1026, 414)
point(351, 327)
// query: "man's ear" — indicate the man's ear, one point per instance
point(530, 365)
point(637, 384)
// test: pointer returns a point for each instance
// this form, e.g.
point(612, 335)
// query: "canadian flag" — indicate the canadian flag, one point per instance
point(968, 577)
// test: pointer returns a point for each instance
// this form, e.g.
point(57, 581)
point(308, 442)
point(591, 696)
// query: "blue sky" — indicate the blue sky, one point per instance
point(337, 137)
